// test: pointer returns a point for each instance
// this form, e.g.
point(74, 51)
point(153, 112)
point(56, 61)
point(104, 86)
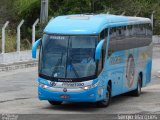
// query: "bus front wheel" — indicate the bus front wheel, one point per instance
point(55, 102)
point(105, 103)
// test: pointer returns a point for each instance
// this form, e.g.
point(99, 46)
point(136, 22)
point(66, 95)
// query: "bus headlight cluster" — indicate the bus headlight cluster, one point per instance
point(87, 87)
point(43, 86)
point(91, 86)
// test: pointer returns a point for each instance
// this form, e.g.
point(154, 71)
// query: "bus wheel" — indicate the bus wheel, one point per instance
point(105, 103)
point(55, 102)
point(137, 92)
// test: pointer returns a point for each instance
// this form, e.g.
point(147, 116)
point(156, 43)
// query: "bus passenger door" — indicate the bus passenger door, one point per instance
point(116, 74)
point(115, 61)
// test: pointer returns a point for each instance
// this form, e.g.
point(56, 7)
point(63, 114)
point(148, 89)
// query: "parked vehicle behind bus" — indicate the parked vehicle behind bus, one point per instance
point(91, 58)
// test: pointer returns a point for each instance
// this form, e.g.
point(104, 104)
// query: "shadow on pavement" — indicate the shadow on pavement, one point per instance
point(91, 107)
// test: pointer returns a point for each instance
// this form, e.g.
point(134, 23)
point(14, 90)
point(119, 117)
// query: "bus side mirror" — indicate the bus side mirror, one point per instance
point(34, 48)
point(98, 50)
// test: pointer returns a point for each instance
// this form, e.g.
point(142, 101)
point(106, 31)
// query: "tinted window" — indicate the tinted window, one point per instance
point(129, 37)
point(103, 34)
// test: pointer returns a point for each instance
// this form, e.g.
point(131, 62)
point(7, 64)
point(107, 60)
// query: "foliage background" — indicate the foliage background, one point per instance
point(29, 10)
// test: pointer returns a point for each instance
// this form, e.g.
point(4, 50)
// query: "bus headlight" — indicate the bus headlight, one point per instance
point(87, 87)
point(43, 86)
point(91, 86)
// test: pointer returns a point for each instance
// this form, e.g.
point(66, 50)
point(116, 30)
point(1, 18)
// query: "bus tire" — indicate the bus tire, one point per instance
point(137, 92)
point(55, 102)
point(106, 102)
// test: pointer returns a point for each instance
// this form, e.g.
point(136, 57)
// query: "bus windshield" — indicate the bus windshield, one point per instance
point(64, 56)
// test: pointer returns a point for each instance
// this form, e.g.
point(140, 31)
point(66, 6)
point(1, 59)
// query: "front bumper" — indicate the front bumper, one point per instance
point(83, 96)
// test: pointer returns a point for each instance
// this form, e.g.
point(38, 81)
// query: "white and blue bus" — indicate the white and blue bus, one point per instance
point(91, 58)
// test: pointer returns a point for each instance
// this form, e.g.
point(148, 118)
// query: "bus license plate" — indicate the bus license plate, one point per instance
point(64, 96)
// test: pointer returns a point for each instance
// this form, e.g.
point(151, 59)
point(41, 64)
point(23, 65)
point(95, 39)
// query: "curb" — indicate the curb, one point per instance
point(18, 65)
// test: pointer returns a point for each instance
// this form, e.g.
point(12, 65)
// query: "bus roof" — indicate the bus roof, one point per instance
point(89, 24)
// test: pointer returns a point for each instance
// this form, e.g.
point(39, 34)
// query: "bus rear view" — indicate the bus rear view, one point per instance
point(74, 61)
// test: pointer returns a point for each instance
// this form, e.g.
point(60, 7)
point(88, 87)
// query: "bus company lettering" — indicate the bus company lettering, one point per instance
point(65, 80)
point(116, 59)
point(57, 37)
point(71, 84)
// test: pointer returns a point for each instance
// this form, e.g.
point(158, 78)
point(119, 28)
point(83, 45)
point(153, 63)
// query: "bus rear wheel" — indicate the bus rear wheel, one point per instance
point(105, 103)
point(137, 92)
point(55, 102)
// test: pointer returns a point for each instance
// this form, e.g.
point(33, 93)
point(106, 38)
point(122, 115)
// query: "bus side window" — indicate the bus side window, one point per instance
point(146, 29)
point(103, 34)
point(119, 32)
point(129, 29)
point(150, 29)
point(104, 53)
point(112, 43)
point(112, 33)
point(143, 30)
point(135, 30)
point(149, 32)
point(124, 31)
